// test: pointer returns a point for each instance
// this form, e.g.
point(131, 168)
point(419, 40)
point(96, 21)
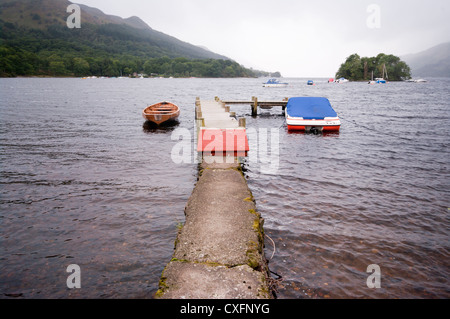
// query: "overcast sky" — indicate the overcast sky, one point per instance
point(296, 37)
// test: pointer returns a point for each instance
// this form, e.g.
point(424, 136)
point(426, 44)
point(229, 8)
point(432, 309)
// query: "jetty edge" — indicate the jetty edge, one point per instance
point(219, 251)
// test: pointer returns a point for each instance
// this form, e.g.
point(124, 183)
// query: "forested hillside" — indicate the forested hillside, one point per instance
point(35, 41)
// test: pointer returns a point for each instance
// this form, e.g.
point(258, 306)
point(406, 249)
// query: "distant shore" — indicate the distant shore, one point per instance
point(167, 77)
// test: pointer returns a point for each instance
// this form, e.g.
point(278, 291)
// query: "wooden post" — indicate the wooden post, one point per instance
point(227, 109)
point(242, 122)
point(198, 111)
point(255, 106)
point(284, 106)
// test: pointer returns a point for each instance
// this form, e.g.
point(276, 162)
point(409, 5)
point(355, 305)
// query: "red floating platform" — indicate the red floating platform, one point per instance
point(212, 141)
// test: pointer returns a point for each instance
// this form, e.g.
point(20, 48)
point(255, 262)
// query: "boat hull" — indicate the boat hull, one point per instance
point(279, 85)
point(161, 112)
point(327, 124)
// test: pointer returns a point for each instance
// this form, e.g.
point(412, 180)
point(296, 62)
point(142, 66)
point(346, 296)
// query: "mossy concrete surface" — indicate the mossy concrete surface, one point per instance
point(184, 280)
point(219, 251)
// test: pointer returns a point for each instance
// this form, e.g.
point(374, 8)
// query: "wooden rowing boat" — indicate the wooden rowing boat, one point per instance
point(161, 112)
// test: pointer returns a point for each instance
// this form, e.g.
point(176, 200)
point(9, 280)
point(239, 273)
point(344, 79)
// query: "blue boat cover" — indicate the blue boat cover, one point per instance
point(310, 108)
point(274, 81)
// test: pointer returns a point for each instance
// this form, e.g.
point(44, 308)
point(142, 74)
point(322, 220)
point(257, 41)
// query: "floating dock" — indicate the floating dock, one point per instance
point(219, 251)
point(218, 131)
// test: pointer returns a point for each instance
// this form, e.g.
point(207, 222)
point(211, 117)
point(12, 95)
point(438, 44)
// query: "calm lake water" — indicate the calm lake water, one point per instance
point(84, 181)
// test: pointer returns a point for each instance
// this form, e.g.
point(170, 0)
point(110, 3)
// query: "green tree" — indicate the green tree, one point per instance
point(356, 68)
point(57, 68)
point(80, 66)
point(352, 69)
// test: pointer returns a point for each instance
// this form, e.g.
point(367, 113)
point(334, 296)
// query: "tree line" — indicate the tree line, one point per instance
point(18, 62)
point(356, 68)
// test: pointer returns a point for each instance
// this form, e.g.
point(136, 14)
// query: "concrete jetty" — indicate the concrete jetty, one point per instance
point(219, 251)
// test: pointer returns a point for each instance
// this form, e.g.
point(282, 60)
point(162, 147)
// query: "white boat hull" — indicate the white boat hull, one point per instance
point(278, 85)
point(300, 124)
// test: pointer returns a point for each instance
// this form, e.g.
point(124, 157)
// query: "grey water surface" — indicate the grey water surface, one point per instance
point(84, 180)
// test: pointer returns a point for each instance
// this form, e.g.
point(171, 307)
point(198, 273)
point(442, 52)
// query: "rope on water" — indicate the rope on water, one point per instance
point(273, 244)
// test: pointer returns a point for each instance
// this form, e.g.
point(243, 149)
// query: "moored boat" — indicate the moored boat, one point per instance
point(341, 80)
point(382, 79)
point(311, 114)
point(275, 83)
point(161, 112)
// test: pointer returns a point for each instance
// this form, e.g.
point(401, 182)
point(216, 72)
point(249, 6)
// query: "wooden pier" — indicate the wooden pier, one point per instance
point(219, 251)
point(254, 103)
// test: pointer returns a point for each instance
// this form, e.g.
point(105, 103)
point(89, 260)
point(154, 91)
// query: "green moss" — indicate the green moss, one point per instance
point(253, 255)
point(255, 249)
point(179, 260)
point(258, 223)
point(159, 293)
point(263, 290)
point(179, 229)
point(239, 169)
point(162, 286)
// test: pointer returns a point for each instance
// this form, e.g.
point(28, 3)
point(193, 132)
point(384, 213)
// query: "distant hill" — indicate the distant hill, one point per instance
point(35, 40)
point(42, 14)
point(434, 62)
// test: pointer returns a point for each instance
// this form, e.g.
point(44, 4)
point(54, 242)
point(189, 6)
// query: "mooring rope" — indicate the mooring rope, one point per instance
point(273, 244)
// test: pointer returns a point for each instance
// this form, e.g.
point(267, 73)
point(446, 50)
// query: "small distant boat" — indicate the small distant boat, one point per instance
point(378, 81)
point(416, 81)
point(382, 79)
point(161, 112)
point(342, 80)
point(330, 80)
point(275, 83)
point(311, 114)
point(310, 82)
